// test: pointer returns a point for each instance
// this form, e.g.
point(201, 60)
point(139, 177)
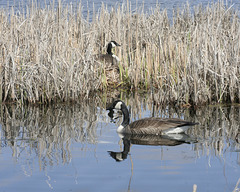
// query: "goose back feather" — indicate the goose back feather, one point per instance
point(158, 126)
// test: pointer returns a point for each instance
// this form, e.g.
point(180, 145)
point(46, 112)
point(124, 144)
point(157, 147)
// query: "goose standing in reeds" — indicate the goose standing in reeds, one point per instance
point(149, 126)
point(110, 63)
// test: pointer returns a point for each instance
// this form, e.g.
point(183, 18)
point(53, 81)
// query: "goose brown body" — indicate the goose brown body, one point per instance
point(157, 126)
point(107, 59)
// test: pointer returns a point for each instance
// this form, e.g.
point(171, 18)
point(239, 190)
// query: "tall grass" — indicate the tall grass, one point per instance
point(192, 57)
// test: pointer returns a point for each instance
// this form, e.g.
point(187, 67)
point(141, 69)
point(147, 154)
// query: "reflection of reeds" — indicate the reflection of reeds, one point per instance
point(49, 132)
point(218, 131)
point(46, 55)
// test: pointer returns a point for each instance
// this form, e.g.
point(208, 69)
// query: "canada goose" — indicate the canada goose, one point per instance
point(150, 126)
point(109, 58)
point(109, 63)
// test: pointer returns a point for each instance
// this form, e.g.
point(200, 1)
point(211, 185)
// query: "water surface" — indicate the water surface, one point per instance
point(90, 5)
point(72, 147)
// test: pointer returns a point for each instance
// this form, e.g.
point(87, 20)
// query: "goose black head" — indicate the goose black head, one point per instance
point(111, 45)
point(116, 105)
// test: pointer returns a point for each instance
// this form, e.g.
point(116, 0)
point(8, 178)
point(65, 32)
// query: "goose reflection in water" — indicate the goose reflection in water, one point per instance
point(152, 140)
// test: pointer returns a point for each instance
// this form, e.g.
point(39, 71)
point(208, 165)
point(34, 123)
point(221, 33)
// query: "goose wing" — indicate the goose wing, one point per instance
point(107, 59)
point(157, 125)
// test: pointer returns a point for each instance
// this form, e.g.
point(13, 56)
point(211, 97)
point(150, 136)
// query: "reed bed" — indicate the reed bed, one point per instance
point(46, 55)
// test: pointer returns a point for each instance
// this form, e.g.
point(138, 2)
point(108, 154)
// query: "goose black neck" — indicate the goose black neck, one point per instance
point(109, 49)
point(125, 115)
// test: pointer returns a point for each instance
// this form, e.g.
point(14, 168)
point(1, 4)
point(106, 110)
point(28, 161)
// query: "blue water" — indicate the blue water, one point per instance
point(66, 148)
point(88, 5)
point(151, 3)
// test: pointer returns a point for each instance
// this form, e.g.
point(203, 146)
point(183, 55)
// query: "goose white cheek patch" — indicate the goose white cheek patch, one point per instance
point(113, 45)
point(118, 105)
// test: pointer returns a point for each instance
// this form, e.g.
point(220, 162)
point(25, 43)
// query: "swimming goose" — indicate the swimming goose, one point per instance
point(149, 126)
point(109, 58)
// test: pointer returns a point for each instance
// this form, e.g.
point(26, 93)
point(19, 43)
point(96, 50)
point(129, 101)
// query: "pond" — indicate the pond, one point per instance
point(87, 6)
point(75, 147)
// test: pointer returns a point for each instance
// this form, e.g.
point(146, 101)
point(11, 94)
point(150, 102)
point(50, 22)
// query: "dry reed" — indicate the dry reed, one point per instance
point(193, 57)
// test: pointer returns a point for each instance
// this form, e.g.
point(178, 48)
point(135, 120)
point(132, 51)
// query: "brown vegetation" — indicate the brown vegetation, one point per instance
point(46, 54)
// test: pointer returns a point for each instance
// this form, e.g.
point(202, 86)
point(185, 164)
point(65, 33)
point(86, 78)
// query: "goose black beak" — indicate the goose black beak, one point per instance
point(116, 44)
